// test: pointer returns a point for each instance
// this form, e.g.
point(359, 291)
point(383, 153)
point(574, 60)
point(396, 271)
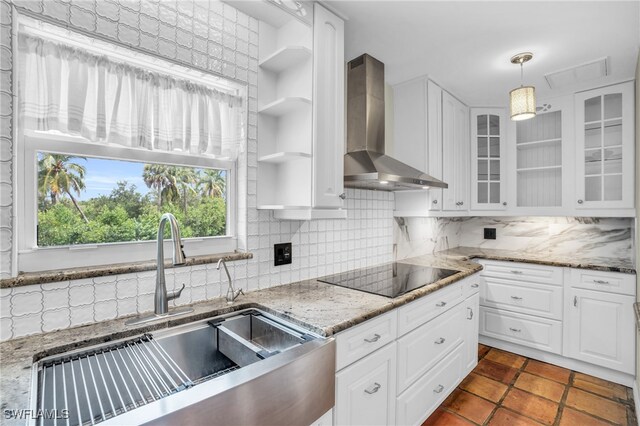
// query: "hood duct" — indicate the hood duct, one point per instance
point(365, 164)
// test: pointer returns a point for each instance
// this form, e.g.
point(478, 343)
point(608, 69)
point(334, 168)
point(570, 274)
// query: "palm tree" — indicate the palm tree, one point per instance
point(186, 180)
point(157, 176)
point(211, 183)
point(59, 175)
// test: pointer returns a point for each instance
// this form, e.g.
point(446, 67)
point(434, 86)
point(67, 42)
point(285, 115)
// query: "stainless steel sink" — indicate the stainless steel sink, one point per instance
point(224, 370)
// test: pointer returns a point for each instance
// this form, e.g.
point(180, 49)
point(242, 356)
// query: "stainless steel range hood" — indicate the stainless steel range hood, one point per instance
point(365, 164)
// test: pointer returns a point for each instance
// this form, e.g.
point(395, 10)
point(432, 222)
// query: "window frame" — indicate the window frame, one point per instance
point(32, 258)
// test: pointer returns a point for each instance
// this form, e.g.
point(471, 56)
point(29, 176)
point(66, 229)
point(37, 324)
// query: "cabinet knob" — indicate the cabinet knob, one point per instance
point(435, 201)
point(504, 203)
point(343, 195)
point(462, 203)
point(580, 201)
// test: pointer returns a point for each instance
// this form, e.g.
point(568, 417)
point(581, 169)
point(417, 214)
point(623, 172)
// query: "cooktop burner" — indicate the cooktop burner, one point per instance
point(389, 280)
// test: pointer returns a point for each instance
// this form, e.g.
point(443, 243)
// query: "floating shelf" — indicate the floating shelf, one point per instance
point(286, 58)
point(283, 157)
point(540, 142)
point(535, 169)
point(285, 106)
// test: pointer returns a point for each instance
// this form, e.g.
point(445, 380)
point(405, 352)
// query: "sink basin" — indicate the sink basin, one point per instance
point(224, 370)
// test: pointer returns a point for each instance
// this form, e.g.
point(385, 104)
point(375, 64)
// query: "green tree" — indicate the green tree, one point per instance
point(211, 183)
point(59, 175)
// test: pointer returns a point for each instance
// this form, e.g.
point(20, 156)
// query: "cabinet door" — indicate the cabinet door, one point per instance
point(488, 139)
point(328, 109)
point(601, 329)
point(605, 147)
point(366, 391)
point(434, 142)
point(472, 323)
point(455, 153)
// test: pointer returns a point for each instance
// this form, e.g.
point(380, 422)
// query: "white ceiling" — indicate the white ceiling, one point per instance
point(466, 46)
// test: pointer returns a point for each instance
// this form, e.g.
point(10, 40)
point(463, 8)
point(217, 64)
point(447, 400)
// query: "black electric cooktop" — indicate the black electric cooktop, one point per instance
point(389, 280)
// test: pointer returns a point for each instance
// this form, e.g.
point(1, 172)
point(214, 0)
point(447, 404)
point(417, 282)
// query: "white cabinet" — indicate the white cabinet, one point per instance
point(455, 153)
point(471, 326)
point(488, 159)
point(605, 147)
point(328, 109)
point(418, 141)
point(300, 114)
point(366, 391)
point(601, 329)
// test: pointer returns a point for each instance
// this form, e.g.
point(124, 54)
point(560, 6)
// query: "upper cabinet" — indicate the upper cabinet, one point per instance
point(488, 159)
point(300, 113)
point(328, 109)
point(605, 147)
point(431, 133)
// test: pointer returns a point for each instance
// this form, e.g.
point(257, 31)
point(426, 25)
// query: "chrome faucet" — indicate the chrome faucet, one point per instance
point(161, 299)
point(232, 294)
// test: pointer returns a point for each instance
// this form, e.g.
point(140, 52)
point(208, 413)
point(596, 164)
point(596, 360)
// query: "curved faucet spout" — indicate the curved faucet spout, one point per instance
point(161, 296)
point(232, 294)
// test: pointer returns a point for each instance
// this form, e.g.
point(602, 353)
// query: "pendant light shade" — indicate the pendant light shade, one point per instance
point(522, 101)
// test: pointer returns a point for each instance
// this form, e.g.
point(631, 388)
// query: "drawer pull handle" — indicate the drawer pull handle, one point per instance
point(470, 317)
point(516, 298)
point(474, 286)
point(601, 282)
point(441, 304)
point(440, 341)
point(374, 339)
point(373, 389)
point(575, 300)
point(514, 271)
point(439, 389)
point(515, 330)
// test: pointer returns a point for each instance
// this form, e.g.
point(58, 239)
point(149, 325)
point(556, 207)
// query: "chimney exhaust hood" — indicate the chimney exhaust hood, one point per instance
point(365, 164)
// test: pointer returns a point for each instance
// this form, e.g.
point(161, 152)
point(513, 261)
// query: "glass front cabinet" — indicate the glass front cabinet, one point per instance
point(605, 147)
point(488, 139)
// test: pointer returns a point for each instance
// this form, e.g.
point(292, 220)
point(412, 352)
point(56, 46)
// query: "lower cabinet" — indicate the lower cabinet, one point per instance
point(403, 381)
point(583, 319)
point(601, 329)
point(366, 390)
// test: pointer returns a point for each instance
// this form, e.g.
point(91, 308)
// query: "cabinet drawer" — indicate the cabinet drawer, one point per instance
point(422, 398)
point(416, 313)
point(366, 391)
point(421, 349)
point(522, 272)
point(611, 282)
point(471, 285)
point(365, 338)
point(524, 297)
point(541, 333)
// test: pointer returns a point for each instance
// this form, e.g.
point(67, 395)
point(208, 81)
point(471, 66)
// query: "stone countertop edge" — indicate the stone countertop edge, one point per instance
point(44, 277)
point(598, 264)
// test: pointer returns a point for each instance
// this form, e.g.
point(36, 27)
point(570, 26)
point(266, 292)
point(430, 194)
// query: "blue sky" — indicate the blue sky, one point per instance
point(102, 176)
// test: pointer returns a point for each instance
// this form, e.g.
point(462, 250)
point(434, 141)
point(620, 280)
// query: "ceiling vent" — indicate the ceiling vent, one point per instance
point(579, 74)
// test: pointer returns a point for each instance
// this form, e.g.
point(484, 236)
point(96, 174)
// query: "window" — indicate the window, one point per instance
point(107, 143)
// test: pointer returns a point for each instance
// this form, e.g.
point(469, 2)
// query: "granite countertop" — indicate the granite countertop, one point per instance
point(609, 264)
point(323, 308)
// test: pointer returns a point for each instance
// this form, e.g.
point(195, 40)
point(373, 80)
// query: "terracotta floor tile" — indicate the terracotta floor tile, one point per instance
point(444, 418)
point(549, 371)
point(484, 387)
point(469, 406)
point(504, 417)
point(597, 406)
point(540, 386)
point(493, 370)
point(532, 406)
point(571, 417)
point(482, 350)
point(599, 386)
point(506, 358)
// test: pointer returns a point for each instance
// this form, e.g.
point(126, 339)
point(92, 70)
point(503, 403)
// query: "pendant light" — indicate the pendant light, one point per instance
point(523, 99)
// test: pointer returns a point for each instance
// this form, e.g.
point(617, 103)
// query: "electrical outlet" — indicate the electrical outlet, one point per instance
point(282, 254)
point(489, 233)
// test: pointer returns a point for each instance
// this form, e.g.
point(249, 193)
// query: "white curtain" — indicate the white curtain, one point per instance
point(75, 92)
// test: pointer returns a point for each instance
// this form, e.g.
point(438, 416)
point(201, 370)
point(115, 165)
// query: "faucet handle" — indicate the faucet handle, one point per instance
point(175, 294)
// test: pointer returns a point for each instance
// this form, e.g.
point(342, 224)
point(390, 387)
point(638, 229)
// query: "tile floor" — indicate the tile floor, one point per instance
point(509, 389)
